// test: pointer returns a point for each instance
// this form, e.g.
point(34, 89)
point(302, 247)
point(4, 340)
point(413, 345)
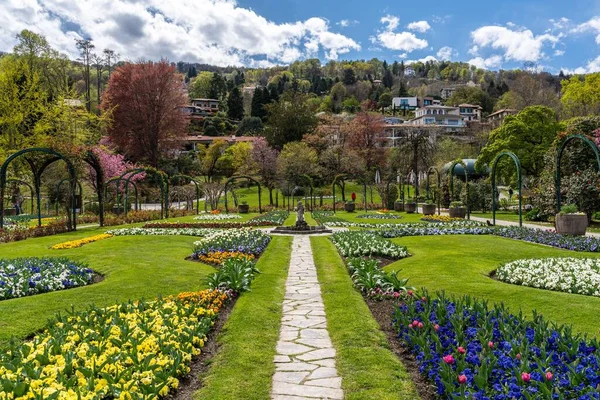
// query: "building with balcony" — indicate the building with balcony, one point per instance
point(405, 103)
point(207, 105)
point(440, 116)
point(470, 112)
point(496, 119)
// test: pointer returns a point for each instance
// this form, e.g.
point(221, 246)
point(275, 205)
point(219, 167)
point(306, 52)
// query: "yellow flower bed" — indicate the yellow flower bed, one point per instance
point(217, 257)
point(134, 350)
point(80, 242)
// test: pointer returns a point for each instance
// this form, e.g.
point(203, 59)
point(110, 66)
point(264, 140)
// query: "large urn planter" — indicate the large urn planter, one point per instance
point(571, 224)
point(349, 207)
point(428, 209)
point(410, 208)
point(457, 212)
point(243, 208)
point(398, 206)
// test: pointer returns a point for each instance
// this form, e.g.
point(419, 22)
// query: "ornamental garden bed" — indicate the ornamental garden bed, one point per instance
point(21, 277)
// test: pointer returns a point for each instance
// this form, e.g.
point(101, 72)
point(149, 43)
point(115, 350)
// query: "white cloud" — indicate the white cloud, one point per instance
point(216, 32)
point(391, 21)
point(419, 26)
point(593, 25)
point(403, 41)
point(423, 60)
point(590, 67)
point(486, 63)
point(446, 53)
point(440, 19)
point(402, 56)
point(560, 23)
point(347, 22)
point(474, 51)
point(519, 45)
point(559, 53)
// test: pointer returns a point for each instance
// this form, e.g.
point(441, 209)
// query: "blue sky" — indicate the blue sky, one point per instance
point(505, 34)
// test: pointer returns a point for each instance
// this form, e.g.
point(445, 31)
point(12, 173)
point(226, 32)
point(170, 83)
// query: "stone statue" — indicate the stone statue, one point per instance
point(300, 217)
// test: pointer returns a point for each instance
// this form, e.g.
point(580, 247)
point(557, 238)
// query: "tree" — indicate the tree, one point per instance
point(581, 97)
point(349, 76)
point(367, 139)
point(471, 95)
point(241, 158)
point(218, 87)
point(99, 65)
point(213, 164)
point(296, 159)
point(85, 48)
point(528, 134)
point(388, 79)
point(385, 100)
point(113, 165)
point(145, 100)
point(111, 58)
point(235, 104)
point(265, 159)
point(414, 151)
point(289, 119)
point(250, 126)
point(260, 98)
point(351, 105)
point(402, 92)
point(200, 86)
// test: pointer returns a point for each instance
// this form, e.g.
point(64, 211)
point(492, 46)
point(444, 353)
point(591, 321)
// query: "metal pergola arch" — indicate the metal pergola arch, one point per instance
point(515, 159)
point(430, 171)
point(233, 179)
point(451, 172)
point(348, 176)
point(195, 184)
point(22, 182)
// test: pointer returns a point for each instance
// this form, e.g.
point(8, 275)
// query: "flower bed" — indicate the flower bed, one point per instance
point(379, 216)
point(218, 257)
point(327, 217)
point(431, 230)
point(160, 232)
point(71, 244)
point(470, 351)
point(275, 217)
point(247, 241)
point(361, 243)
point(21, 277)
point(133, 350)
point(211, 225)
point(441, 218)
point(235, 275)
point(551, 238)
point(571, 275)
point(217, 217)
point(375, 283)
point(22, 233)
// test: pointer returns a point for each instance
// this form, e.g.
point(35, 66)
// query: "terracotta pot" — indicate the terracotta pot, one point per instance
point(571, 224)
point(410, 208)
point(457, 212)
point(398, 206)
point(243, 208)
point(428, 209)
point(349, 207)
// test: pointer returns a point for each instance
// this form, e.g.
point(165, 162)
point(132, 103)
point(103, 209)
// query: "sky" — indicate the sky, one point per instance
point(554, 35)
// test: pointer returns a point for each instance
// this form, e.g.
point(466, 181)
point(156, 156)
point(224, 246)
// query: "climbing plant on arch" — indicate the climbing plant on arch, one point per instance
point(561, 150)
point(451, 172)
point(233, 179)
point(38, 168)
point(515, 159)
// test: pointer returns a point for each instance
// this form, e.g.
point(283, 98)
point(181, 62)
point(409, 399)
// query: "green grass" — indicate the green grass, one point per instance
point(134, 267)
point(353, 217)
point(461, 265)
point(508, 216)
point(369, 369)
point(243, 367)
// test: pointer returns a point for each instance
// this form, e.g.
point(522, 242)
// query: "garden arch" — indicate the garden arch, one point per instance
point(21, 182)
point(561, 150)
point(312, 187)
point(234, 178)
point(438, 196)
point(348, 176)
point(58, 187)
point(189, 178)
point(37, 171)
point(515, 159)
point(117, 179)
point(94, 162)
point(451, 172)
point(163, 181)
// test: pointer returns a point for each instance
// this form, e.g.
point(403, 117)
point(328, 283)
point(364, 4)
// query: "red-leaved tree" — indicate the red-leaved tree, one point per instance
point(367, 139)
point(144, 99)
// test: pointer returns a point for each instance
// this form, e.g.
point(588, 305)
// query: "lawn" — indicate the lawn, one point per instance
point(461, 265)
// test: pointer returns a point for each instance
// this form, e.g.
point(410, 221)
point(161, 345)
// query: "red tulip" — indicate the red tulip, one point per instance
point(549, 376)
point(436, 327)
point(491, 345)
point(410, 292)
point(461, 350)
point(420, 325)
point(449, 359)
point(462, 379)
point(423, 298)
point(526, 377)
point(518, 356)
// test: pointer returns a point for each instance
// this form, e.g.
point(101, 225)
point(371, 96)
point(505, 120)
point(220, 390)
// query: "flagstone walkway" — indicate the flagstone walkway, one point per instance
point(305, 359)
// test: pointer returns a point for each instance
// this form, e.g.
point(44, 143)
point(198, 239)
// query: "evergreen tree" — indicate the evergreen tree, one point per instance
point(259, 100)
point(395, 68)
point(402, 68)
point(274, 95)
point(402, 92)
point(218, 87)
point(349, 76)
point(192, 73)
point(235, 104)
point(388, 79)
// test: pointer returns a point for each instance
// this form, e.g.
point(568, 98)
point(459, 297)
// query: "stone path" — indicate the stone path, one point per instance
point(305, 359)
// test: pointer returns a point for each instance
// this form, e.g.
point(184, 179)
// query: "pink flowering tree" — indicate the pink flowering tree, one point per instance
point(113, 165)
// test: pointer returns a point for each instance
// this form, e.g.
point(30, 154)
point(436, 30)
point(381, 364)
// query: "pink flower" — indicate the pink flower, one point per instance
point(491, 345)
point(462, 379)
point(415, 322)
point(396, 294)
point(420, 325)
point(461, 350)
point(526, 377)
point(436, 327)
point(423, 298)
point(449, 359)
point(410, 325)
point(518, 356)
point(410, 292)
point(549, 376)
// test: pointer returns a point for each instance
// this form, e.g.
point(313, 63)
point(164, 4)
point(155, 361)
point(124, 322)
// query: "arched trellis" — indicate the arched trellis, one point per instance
point(345, 177)
point(451, 172)
point(94, 162)
point(37, 171)
point(430, 171)
point(561, 150)
point(391, 180)
point(189, 178)
point(20, 182)
point(116, 179)
point(312, 188)
point(515, 159)
point(58, 187)
point(163, 181)
point(234, 178)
